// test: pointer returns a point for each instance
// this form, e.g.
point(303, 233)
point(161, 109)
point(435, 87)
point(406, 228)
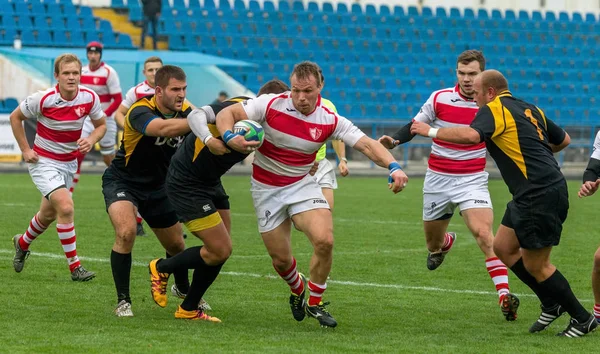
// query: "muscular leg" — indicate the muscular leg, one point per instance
point(122, 216)
point(435, 231)
point(479, 221)
point(328, 193)
point(552, 282)
point(596, 284)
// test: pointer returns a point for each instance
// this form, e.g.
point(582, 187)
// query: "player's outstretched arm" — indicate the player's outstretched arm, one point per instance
point(197, 120)
point(382, 157)
point(458, 135)
point(16, 122)
point(403, 135)
point(169, 128)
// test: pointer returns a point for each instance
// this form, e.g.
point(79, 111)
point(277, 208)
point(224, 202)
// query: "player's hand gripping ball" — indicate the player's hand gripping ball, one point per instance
point(250, 130)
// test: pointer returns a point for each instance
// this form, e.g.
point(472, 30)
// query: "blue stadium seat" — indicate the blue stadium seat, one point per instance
point(254, 6)
point(239, 5)
point(117, 4)
point(591, 18)
point(21, 8)
point(297, 6)
point(208, 4)
point(10, 104)
point(523, 15)
point(60, 39)
point(37, 9)
point(77, 40)
point(510, 15)
point(440, 12)
point(283, 6)
point(109, 40)
point(73, 23)
point(536, 16)
point(413, 11)
point(86, 12)
point(469, 13)
point(482, 14)
point(342, 8)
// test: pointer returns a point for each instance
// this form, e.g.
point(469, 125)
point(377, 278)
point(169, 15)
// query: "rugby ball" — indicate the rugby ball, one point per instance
point(251, 130)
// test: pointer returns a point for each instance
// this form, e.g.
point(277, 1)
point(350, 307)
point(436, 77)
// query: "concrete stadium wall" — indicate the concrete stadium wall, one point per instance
point(529, 5)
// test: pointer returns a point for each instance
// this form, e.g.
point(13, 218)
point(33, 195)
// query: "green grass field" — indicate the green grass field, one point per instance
point(381, 292)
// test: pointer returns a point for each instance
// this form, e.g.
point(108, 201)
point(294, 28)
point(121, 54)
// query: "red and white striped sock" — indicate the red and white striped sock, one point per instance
point(35, 229)
point(66, 233)
point(316, 293)
point(597, 312)
point(138, 218)
point(499, 274)
point(292, 277)
point(448, 242)
point(77, 174)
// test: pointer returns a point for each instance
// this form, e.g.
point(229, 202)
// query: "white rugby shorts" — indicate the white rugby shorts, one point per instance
point(443, 193)
point(273, 205)
point(108, 141)
point(49, 175)
point(325, 175)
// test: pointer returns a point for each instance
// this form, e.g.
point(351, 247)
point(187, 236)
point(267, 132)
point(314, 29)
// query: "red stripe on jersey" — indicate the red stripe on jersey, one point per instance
point(59, 136)
point(68, 113)
point(436, 96)
point(52, 155)
point(459, 147)
point(273, 179)
point(455, 114)
point(459, 167)
point(46, 96)
point(105, 98)
point(299, 128)
point(94, 80)
point(285, 156)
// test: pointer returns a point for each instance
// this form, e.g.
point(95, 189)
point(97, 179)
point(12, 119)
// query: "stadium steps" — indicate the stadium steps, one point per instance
point(120, 23)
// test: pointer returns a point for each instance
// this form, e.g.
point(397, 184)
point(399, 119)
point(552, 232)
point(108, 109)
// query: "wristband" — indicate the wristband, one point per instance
point(344, 159)
point(393, 167)
point(207, 139)
point(432, 132)
point(228, 135)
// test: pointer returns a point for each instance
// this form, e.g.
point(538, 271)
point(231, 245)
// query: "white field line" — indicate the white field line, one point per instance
point(256, 275)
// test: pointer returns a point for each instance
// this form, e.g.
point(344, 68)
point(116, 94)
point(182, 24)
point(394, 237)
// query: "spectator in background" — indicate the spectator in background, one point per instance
point(151, 9)
point(222, 97)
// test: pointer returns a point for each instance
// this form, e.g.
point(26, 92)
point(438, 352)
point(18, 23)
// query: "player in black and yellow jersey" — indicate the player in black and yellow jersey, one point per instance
point(521, 140)
point(195, 190)
point(154, 128)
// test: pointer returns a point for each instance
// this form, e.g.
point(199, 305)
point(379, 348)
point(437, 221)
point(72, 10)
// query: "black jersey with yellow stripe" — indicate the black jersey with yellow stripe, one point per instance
point(144, 159)
point(194, 160)
point(518, 136)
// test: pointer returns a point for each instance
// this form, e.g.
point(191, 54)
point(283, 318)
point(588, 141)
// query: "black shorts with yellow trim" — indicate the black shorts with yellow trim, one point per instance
point(537, 218)
point(196, 202)
point(152, 203)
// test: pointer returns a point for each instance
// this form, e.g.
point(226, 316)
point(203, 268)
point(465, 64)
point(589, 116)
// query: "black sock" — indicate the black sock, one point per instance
point(203, 277)
point(559, 287)
point(188, 259)
point(521, 272)
point(121, 270)
point(181, 277)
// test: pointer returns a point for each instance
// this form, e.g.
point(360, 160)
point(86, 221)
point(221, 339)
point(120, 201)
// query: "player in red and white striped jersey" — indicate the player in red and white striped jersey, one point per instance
point(102, 79)
point(456, 175)
point(296, 125)
point(60, 112)
point(144, 88)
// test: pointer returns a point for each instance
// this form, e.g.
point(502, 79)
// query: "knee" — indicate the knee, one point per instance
point(125, 238)
point(281, 263)
point(324, 244)
point(597, 261)
point(47, 217)
point(176, 247)
point(223, 253)
point(65, 208)
point(483, 233)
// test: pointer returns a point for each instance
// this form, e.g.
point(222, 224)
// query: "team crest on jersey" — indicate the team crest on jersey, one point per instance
point(315, 133)
point(96, 80)
point(80, 111)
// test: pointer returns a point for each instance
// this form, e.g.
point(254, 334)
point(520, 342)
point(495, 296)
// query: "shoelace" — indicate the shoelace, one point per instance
point(160, 285)
point(321, 306)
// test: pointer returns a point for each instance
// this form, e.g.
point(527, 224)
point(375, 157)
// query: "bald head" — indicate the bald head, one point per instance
point(488, 85)
point(494, 79)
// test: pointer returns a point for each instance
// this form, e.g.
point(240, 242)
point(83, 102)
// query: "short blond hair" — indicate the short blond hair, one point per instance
point(153, 59)
point(304, 70)
point(65, 59)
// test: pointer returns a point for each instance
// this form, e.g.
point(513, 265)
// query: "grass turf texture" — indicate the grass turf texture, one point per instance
point(381, 292)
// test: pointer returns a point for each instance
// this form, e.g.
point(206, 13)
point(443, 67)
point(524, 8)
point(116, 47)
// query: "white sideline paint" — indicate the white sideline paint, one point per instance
point(256, 275)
